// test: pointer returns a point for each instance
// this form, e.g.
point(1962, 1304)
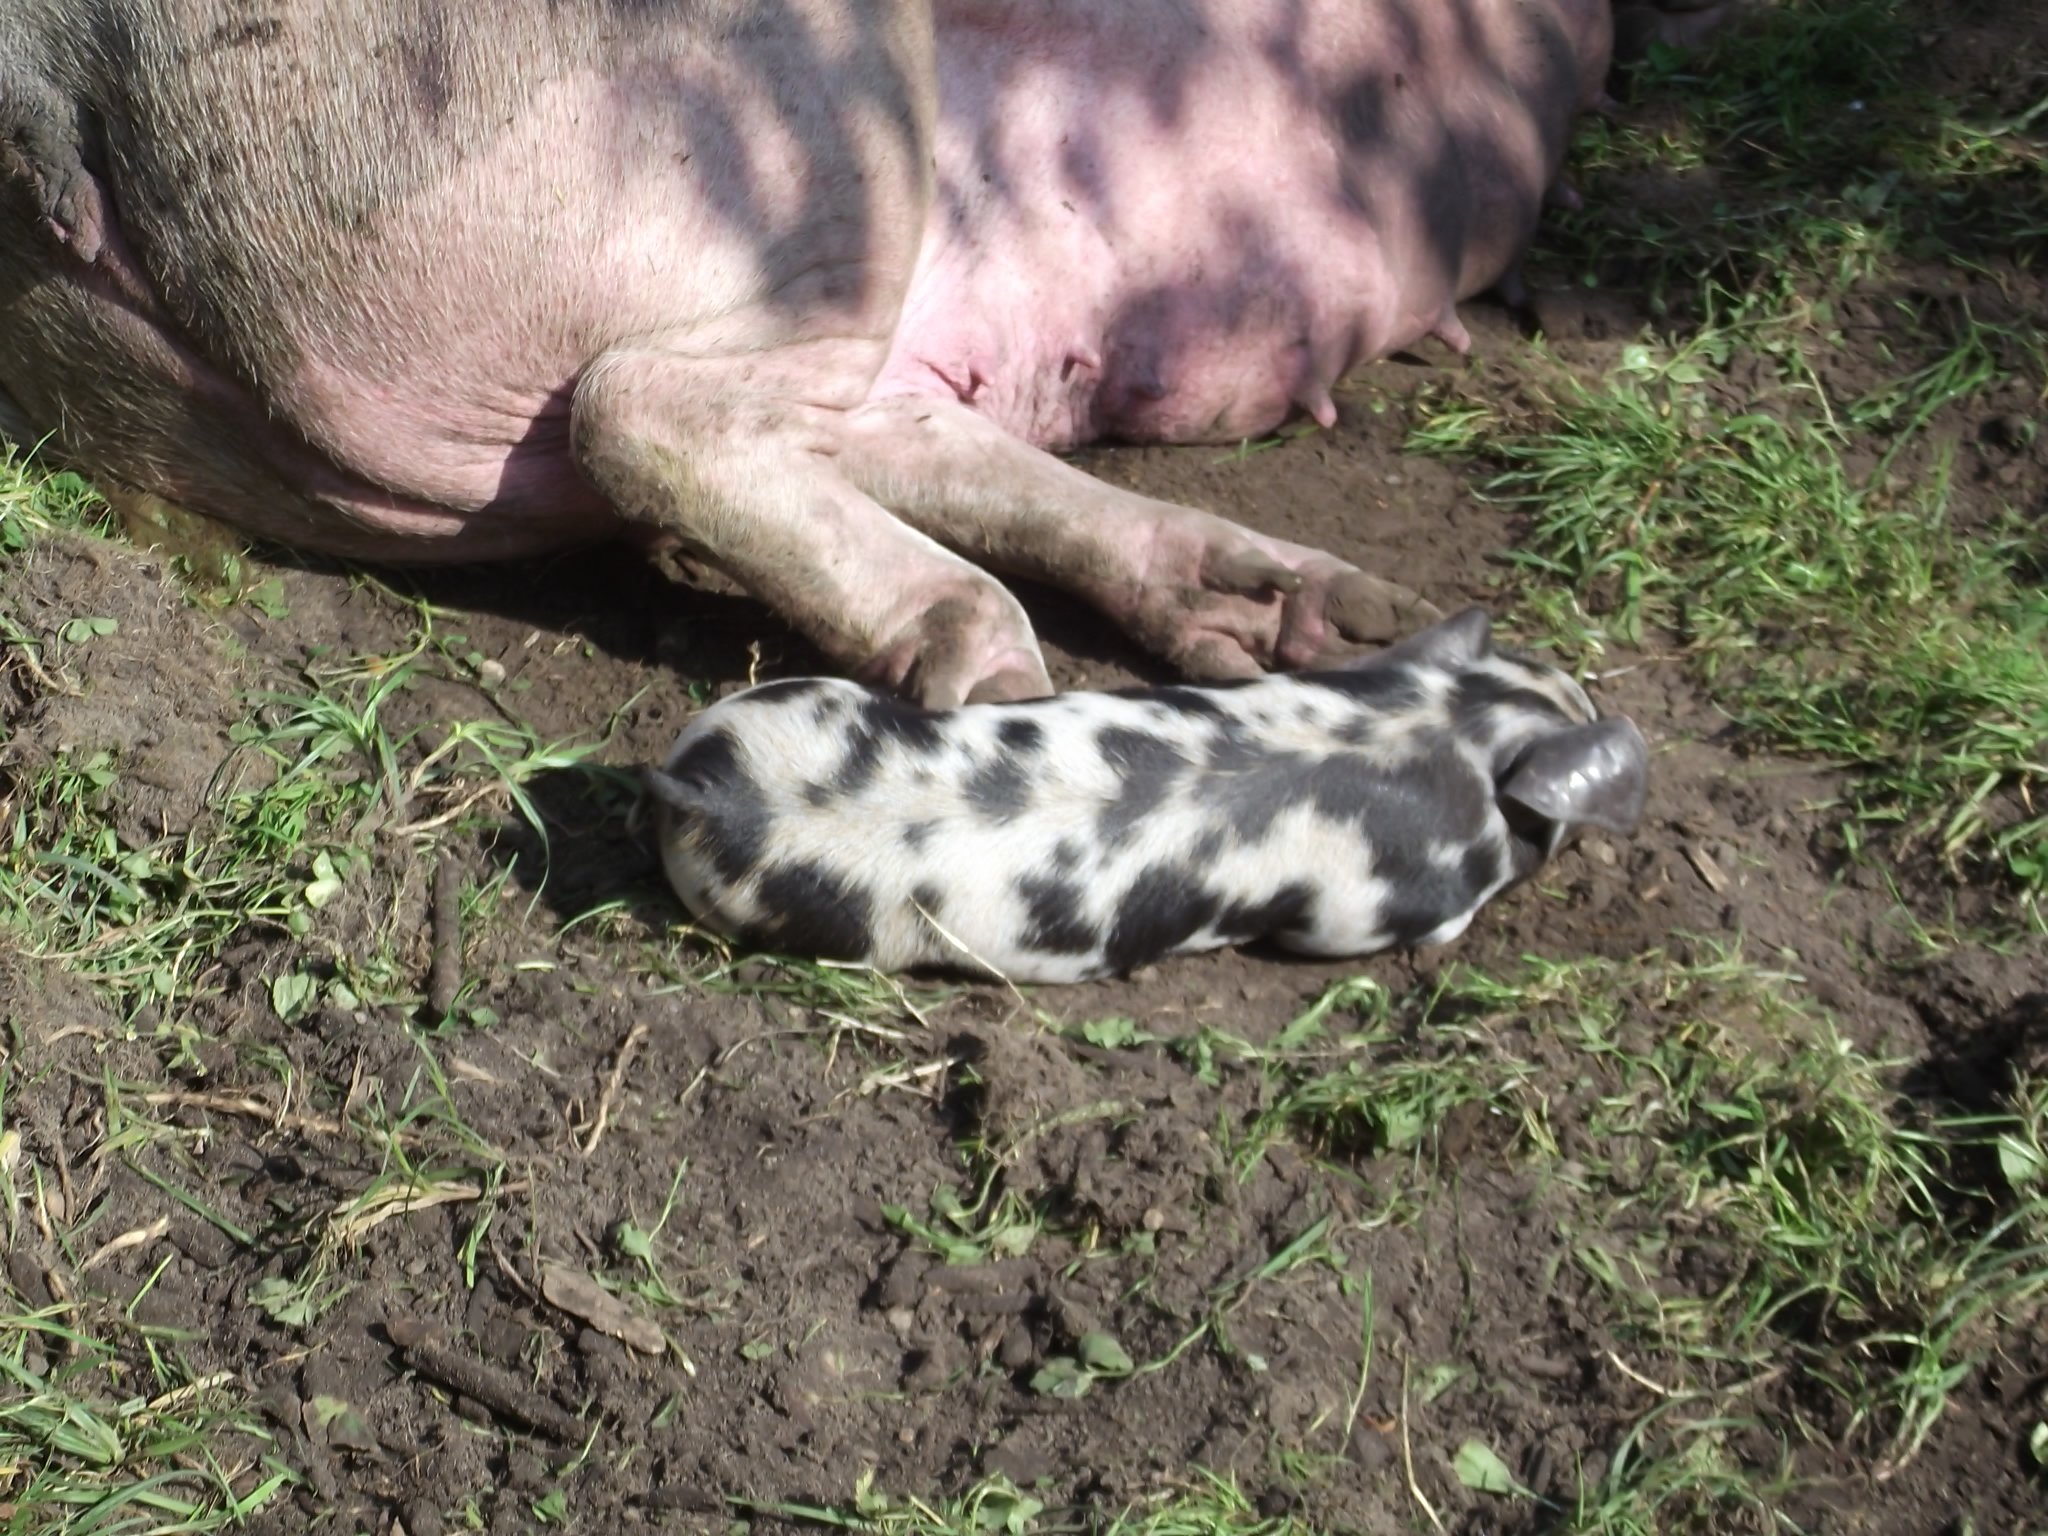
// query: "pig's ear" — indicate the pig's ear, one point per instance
point(1456, 642)
point(1591, 775)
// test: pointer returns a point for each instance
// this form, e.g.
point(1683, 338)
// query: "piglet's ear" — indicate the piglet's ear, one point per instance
point(1591, 775)
point(1456, 642)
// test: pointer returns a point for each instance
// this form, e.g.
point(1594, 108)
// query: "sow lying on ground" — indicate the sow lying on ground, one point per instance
point(804, 286)
point(1337, 812)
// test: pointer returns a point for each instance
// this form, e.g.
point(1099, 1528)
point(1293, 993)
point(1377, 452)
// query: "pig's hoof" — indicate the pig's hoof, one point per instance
point(1256, 603)
point(1370, 611)
point(973, 647)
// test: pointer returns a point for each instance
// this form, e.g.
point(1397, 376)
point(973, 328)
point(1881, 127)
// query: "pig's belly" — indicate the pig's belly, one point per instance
point(1146, 229)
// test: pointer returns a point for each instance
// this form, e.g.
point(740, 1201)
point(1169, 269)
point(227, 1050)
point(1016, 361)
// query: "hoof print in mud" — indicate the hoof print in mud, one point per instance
point(1335, 812)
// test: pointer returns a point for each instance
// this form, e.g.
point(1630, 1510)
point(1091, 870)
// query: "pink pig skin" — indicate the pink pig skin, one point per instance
point(807, 287)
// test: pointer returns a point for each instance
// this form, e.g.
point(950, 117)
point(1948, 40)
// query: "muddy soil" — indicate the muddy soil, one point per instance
point(815, 1343)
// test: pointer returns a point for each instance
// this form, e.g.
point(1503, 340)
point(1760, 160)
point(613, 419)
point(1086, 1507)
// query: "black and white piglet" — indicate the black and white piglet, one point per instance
point(1337, 812)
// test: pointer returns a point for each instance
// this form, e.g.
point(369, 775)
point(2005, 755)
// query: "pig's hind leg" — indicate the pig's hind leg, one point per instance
point(1216, 599)
point(741, 459)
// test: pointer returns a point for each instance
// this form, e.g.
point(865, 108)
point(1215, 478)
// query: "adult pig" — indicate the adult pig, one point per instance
point(805, 286)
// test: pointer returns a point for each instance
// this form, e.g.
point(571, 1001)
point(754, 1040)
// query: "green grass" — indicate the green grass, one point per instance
point(1829, 156)
point(317, 775)
point(1208, 1505)
point(1870, 1248)
point(1834, 614)
point(102, 1427)
point(1798, 541)
point(87, 1444)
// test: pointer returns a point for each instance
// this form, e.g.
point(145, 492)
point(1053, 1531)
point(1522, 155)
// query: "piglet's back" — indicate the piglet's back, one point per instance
point(1078, 836)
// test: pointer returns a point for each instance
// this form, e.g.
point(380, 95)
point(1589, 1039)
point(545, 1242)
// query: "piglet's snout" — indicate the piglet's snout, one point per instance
point(1058, 839)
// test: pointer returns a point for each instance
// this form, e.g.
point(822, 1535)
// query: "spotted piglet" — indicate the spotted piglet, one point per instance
point(1335, 812)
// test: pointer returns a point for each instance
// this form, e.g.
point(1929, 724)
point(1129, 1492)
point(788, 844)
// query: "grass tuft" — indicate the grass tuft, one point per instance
point(1832, 613)
point(1207, 1505)
point(1822, 151)
point(87, 1446)
point(1768, 1205)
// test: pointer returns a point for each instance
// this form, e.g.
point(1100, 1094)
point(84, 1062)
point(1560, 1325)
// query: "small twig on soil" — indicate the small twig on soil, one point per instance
point(1364, 1363)
point(190, 1390)
point(444, 977)
point(1408, 1453)
point(441, 819)
point(25, 649)
point(271, 1115)
point(62, 1158)
point(497, 1390)
point(510, 1272)
point(611, 1085)
point(43, 1212)
point(133, 1239)
point(692, 1086)
point(355, 1086)
point(1637, 1377)
point(359, 1213)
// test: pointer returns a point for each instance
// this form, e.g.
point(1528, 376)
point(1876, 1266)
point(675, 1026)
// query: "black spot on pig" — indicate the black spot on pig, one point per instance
point(1425, 890)
point(1434, 797)
point(916, 835)
point(917, 730)
point(1053, 921)
point(1066, 856)
point(784, 691)
point(879, 722)
point(863, 758)
point(1476, 695)
point(1361, 111)
point(1385, 690)
point(248, 33)
point(808, 910)
point(1164, 907)
point(1148, 768)
point(1232, 750)
point(726, 809)
point(1023, 737)
point(427, 66)
point(999, 789)
point(928, 899)
point(1483, 865)
point(1248, 798)
point(1288, 910)
point(1185, 701)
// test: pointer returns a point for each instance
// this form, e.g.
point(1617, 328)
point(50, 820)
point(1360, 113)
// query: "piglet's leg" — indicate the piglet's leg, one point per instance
point(1216, 599)
point(731, 458)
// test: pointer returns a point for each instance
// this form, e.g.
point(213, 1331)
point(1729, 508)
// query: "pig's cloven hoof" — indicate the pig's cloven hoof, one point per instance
point(973, 646)
point(1221, 602)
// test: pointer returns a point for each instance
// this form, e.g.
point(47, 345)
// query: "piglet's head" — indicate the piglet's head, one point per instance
point(1569, 769)
point(1586, 775)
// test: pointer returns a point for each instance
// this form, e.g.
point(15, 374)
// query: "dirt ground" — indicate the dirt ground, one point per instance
point(821, 1343)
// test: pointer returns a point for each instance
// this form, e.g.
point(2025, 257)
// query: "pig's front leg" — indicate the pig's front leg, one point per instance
point(1216, 599)
point(739, 461)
